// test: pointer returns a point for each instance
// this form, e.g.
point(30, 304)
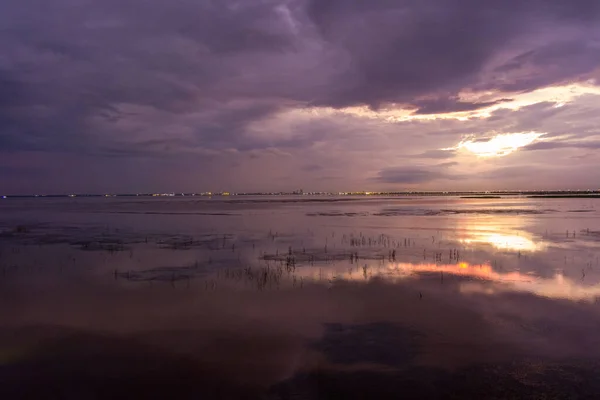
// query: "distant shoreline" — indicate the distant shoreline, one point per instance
point(464, 195)
point(566, 196)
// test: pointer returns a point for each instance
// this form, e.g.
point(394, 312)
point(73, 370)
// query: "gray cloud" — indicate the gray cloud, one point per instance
point(312, 167)
point(59, 78)
point(446, 105)
point(402, 50)
point(436, 154)
point(448, 164)
point(411, 175)
point(512, 172)
point(548, 64)
point(562, 144)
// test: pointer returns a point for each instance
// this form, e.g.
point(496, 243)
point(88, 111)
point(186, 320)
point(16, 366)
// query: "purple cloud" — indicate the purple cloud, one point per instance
point(214, 84)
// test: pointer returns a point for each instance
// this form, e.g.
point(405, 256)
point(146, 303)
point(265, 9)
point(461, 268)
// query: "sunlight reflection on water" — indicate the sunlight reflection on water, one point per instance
point(500, 241)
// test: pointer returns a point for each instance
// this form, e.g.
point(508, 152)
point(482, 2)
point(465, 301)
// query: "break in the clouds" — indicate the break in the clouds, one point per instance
point(191, 95)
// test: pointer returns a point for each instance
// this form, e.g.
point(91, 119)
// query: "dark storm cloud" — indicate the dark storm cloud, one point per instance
point(559, 62)
point(446, 105)
point(64, 63)
point(402, 50)
point(150, 78)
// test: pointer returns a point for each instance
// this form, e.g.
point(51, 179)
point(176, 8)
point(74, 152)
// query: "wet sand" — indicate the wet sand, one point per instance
point(360, 298)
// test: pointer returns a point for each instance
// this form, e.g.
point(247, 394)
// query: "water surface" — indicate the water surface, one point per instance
point(317, 297)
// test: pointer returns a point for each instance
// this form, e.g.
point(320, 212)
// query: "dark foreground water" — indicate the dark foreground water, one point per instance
point(299, 298)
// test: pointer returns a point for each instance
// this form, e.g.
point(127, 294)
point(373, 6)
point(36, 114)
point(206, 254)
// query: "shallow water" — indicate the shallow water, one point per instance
point(298, 296)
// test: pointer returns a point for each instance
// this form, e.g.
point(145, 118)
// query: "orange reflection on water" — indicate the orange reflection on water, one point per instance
point(557, 287)
point(393, 270)
point(481, 271)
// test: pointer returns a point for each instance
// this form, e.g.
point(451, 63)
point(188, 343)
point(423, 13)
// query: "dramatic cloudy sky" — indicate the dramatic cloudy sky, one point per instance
point(195, 95)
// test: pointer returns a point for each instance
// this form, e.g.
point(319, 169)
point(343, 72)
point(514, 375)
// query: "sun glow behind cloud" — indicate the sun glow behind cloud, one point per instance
point(560, 95)
point(499, 145)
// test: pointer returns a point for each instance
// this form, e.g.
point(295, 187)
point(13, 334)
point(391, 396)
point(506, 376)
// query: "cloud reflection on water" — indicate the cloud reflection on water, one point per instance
point(475, 278)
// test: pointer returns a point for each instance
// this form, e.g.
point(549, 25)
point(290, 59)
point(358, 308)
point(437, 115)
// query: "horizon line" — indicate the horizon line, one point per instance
point(309, 193)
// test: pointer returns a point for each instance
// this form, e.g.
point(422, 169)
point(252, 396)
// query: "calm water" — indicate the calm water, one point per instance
point(299, 297)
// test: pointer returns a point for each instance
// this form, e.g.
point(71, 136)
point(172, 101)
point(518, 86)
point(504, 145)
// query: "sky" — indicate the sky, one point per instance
point(110, 96)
